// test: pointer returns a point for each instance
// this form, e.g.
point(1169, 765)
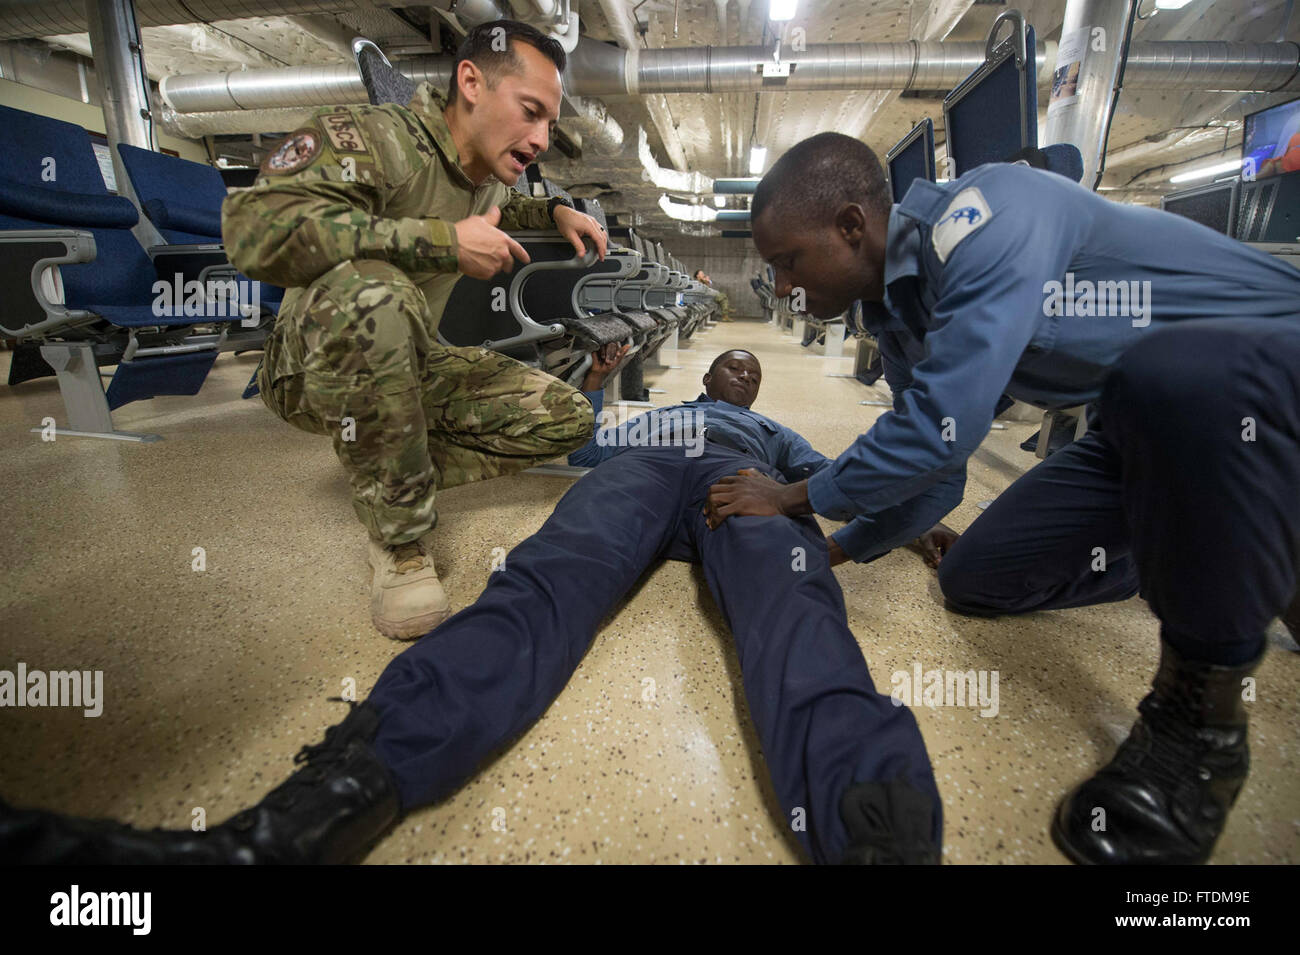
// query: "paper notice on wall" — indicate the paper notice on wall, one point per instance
point(105, 159)
point(1069, 59)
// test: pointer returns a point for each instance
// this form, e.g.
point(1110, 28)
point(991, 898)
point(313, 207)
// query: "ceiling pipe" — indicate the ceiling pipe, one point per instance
point(600, 131)
point(673, 180)
point(1244, 67)
point(598, 69)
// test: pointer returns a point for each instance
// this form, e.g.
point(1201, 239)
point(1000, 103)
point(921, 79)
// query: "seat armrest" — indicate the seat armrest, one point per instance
point(191, 261)
point(530, 330)
point(34, 255)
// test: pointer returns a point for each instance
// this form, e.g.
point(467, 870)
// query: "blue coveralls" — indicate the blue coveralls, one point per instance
point(490, 671)
point(1189, 483)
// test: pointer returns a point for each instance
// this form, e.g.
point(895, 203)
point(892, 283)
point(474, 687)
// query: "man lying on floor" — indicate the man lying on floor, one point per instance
point(844, 754)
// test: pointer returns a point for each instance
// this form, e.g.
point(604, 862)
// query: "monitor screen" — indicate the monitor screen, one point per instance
point(1271, 142)
point(911, 158)
point(993, 113)
point(1214, 205)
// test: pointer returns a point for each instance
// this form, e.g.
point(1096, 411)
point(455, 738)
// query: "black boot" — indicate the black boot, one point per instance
point(332, 810)
point(889, 824)
point(1167, 792)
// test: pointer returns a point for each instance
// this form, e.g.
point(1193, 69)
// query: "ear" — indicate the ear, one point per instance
point(470, 81)
point(851, 223)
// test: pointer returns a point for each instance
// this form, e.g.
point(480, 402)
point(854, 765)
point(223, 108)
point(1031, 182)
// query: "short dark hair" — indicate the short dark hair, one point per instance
point(732, 351)
point(816, 178)
point(490, 47)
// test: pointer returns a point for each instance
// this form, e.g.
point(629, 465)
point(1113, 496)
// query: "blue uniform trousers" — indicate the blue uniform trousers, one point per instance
point(1190, 488)
point(490, 671)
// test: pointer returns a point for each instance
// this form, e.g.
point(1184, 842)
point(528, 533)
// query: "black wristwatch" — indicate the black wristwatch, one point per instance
point(557, 201)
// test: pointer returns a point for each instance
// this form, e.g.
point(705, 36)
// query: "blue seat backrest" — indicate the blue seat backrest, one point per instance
point(182, 198)
point(64, 194)
point(28, 141)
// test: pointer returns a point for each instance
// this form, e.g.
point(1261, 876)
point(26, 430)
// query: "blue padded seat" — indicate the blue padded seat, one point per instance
point(177, 219)
point(183, 200)
point(50, 178)
point(80, 210)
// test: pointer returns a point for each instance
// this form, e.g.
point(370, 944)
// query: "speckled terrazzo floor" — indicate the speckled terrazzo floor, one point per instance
point(213, 680)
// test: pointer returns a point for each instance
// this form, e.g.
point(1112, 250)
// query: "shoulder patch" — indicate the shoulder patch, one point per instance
point(341, 128)
point(967, 212)
point(297, 150)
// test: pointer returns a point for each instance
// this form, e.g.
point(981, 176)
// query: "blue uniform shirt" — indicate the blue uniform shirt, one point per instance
point(1018, 280)
point(773, 443)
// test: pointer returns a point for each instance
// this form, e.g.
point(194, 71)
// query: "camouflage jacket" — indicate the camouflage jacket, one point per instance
point(364, 182)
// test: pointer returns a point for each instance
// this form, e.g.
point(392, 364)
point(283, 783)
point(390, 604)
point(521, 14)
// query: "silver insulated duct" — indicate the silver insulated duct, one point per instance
point(597, 69)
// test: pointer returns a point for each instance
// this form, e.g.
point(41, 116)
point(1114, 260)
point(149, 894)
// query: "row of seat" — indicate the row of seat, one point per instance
point(85, 293)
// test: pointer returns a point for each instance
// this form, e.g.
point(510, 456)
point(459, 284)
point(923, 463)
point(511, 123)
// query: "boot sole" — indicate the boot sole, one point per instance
point(1063, 844)
point(1074, 855)
point(412, 629)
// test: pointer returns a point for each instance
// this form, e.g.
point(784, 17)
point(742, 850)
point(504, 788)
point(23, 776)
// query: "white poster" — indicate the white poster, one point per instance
point(105, 166)
point(1069, 59)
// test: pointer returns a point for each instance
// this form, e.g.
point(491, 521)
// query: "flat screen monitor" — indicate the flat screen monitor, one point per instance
point(1270, 144)
point(1214, 205)
point(993, 113)
point(911, 158)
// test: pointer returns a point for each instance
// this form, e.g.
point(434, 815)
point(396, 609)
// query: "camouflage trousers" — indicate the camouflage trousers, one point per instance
point(355, 356)
point(724, 306)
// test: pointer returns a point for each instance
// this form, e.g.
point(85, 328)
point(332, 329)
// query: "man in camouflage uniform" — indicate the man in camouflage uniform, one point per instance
point(724, 303)
point(369, 215)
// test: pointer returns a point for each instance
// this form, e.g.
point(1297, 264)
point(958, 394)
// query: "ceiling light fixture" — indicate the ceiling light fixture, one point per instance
point(1231, 165)
point(781, 9)
point(757, 159)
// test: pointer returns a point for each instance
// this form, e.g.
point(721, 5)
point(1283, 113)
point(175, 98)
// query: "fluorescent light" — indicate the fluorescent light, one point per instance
point(1229, 166)
point(1171, 4)
point(781, 9)
point(757, 159)
point(719, 201)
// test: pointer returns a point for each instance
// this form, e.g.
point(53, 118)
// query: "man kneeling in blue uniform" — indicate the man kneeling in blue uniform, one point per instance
point(844, 754)
point(1017, 280)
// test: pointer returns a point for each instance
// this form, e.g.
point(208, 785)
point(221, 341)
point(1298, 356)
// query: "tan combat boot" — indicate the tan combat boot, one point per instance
point(406, 599)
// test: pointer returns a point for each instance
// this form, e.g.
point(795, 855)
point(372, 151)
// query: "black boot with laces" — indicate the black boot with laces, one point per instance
point(1165, 796)
point(332, 810)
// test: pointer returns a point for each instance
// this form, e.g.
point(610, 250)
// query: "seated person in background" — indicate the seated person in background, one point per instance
point(838, 750)
point(724, 303)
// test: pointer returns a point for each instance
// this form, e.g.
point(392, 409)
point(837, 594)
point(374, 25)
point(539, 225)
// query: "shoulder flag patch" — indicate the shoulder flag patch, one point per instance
point(967, 212)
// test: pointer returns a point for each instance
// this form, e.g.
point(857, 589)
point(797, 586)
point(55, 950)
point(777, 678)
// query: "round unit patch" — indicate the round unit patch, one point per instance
point(297, 150)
